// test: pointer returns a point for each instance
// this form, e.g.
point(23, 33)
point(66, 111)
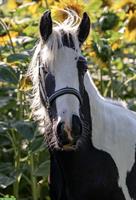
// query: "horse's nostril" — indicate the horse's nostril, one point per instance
point(76, 126)
point(62, 134)
point(60, 127)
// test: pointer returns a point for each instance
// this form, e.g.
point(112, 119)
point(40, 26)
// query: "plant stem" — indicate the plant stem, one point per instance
point(21, 109)
point(47, 5)
point(101, 81)
point(111, 77)
point(17, 167)
point(16, 148)
point(33, 179)
point(8, 33)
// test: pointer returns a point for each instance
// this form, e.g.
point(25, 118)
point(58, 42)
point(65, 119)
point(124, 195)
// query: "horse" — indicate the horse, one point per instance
point(91, 139)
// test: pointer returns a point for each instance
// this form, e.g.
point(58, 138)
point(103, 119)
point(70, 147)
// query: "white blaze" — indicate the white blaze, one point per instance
point(66, 75)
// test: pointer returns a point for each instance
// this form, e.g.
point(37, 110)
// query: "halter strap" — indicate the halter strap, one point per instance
point(48, 100)
point(63, 91)
point(58, 93)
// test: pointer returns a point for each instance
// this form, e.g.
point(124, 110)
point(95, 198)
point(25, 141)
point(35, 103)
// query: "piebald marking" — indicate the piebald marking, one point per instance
point(113, 131)
point(113, 125)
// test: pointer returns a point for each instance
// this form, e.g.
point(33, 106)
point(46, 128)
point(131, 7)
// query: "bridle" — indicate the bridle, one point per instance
point(63, 91)
point(49, 100)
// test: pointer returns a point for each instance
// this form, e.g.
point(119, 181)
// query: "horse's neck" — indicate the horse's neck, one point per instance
point(98, 115)
point(100, 112)
point(67, 173)
point(94, 96)
point(102, 108)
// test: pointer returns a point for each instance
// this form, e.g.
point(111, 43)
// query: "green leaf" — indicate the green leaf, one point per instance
point(94, 9)
point(108, 21)
point(94, 5)
point(4, 101)
point(18, 57)
point(8, 74)
point(38, 144)
point(27, 129)
point(4, 142)
point(9, 197)
point(6, 167)
point(5, 181)
point(43, 169)
point(3, 126)
point(31, 30)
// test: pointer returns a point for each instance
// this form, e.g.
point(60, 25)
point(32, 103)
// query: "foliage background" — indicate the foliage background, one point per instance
point(111, 53)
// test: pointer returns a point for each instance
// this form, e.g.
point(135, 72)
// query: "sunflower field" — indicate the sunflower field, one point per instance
point(111, 53)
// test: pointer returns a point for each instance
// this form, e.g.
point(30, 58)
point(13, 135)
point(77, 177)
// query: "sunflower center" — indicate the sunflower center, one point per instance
point(132, 24)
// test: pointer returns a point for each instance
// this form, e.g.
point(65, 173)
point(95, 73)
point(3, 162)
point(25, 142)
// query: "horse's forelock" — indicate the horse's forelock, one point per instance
point(70, 23)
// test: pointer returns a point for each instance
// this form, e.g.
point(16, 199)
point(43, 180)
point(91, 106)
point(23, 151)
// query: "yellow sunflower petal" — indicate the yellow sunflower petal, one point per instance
point(25, 84)
point(11, 4)
point(130, 33)
point(64, 5)
point(4, 39)
point(123, 4)
point(108, 3)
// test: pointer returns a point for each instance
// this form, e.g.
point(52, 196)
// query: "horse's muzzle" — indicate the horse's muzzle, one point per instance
point(68, 137)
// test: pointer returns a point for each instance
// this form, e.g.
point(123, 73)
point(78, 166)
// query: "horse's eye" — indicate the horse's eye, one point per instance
point(82, 64)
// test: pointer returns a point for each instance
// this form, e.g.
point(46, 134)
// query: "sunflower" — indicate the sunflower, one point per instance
point(130, 33)
point(100, 55)
point(97, 60)
point(116, 45)
point(127, 5)
point(5, 38)
point(74, 5)
point(44, 3)
point(25, 84)
point(107, 3)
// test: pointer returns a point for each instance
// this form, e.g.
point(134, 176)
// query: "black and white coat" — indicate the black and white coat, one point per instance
point(103, 164)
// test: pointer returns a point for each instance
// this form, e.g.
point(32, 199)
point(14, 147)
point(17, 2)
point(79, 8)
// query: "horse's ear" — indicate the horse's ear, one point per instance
point(84, 28)
point(46, 25)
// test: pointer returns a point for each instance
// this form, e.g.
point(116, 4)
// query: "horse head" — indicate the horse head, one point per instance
point(61, 71)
